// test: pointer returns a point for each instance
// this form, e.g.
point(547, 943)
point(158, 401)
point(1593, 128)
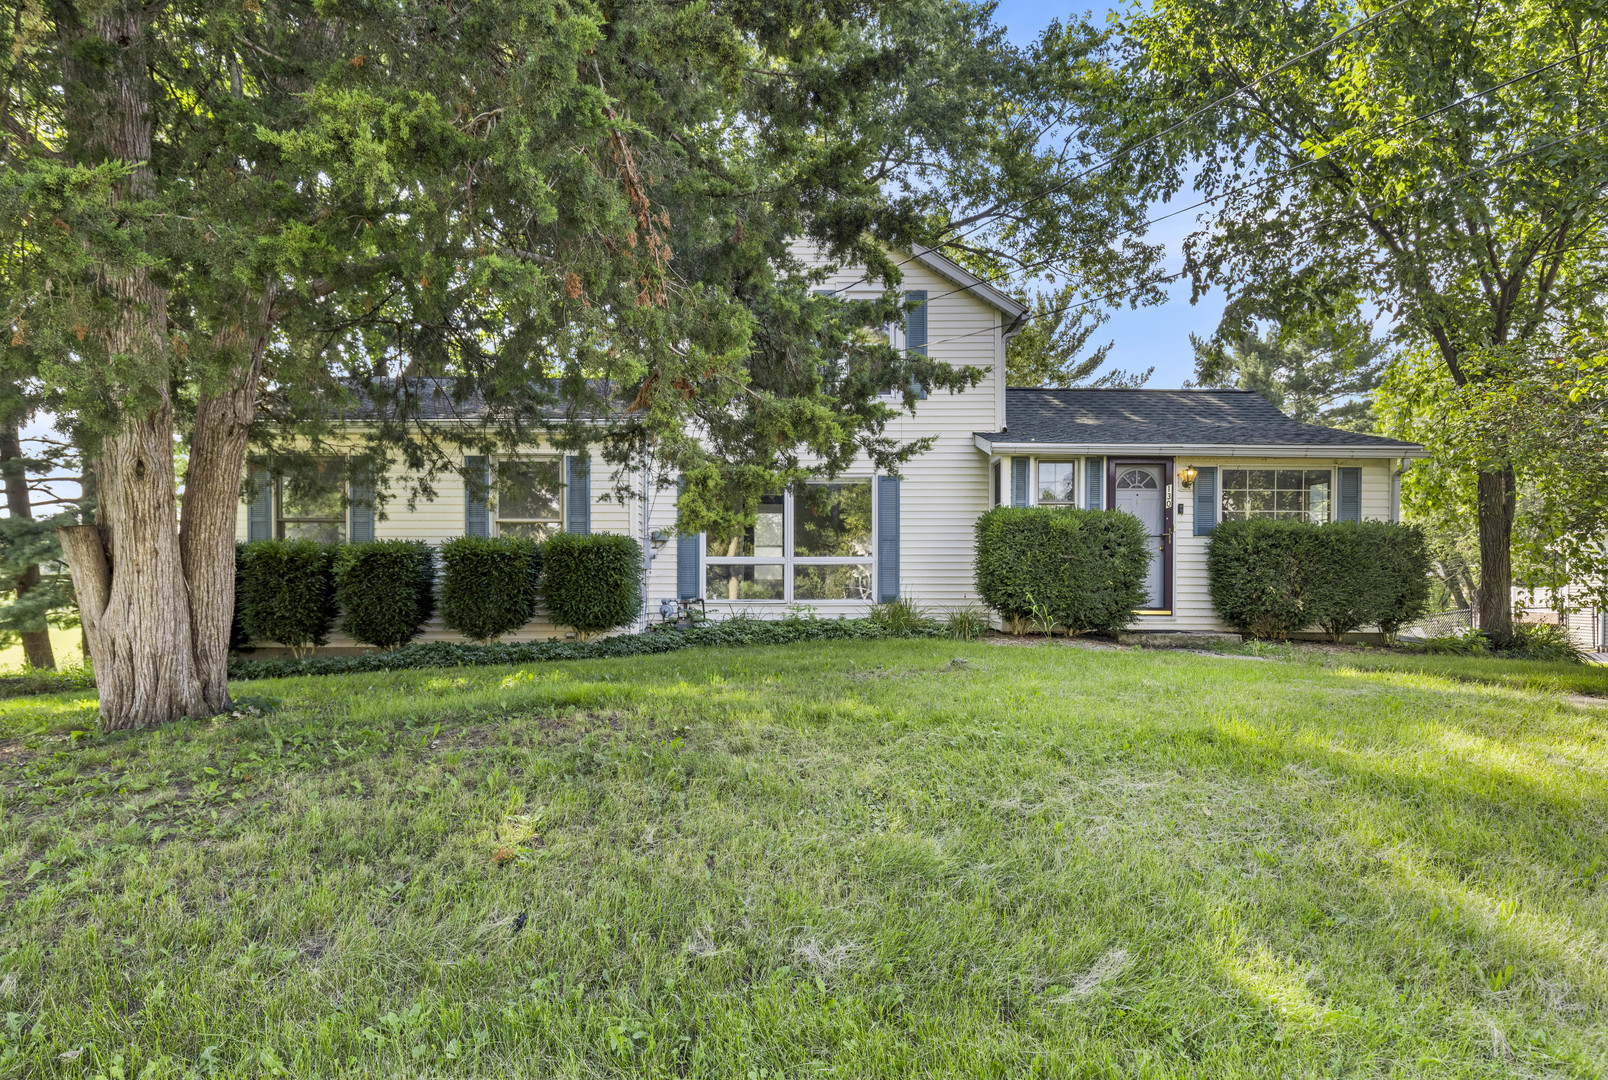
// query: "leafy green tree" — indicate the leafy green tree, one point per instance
point(1441, 162)
point(1327, 377)
point(219, 214)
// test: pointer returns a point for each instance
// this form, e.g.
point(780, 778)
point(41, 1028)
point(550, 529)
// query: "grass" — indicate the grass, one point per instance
point(68, 645)
point(855, 860)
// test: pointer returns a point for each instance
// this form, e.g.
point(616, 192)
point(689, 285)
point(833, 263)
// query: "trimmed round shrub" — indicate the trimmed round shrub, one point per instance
point(1401, 559)
point(1079, 569)
point(1272, 579)
point(1343, 580)
point(287, 592)
point(488, 584)
point(1256, 571)
point(386, 590)
point(592, 582)
point(239, 640)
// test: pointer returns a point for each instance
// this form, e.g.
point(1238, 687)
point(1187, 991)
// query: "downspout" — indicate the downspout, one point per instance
point(1395, 489)
point(647, 532)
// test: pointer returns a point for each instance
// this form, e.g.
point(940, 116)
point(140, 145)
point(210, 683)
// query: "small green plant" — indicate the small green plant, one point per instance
point(900, 616)
point(1542, 641)
point(1468, 642)
point(967, 623)
point(1040, 615)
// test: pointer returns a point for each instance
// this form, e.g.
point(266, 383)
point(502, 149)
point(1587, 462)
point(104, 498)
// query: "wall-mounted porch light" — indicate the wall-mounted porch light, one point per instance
point(1186, 476)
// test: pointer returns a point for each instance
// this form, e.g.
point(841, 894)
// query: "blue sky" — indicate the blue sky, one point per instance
point(1156, 336)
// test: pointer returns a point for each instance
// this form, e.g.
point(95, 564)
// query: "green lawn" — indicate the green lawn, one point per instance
point(852, 860)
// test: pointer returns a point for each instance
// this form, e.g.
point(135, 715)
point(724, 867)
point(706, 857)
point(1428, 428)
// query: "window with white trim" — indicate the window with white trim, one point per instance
point(530, 497)
point(814, 546)
point(1057, 483)
point(1288, 494)
point(312, 507)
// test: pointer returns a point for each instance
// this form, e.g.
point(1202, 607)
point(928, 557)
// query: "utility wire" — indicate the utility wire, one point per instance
point(1315, 225)
point(1190, 118)
point(1419, 118)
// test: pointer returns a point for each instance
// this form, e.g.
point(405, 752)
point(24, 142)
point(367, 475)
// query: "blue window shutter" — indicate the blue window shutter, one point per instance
point(1094, 476)
point(260, 513)
point(476, 522)
point(361, 495)
point(578, 494)
point(1019, 481)
point(916, 329)
point(887, 538)
point(689, 581)
point(1349, 502)
point(1205, 500)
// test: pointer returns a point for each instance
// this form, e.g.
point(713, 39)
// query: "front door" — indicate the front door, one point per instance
point(1143, 489)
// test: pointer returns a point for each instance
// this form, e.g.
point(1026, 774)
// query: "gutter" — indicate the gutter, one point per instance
point(989, 446)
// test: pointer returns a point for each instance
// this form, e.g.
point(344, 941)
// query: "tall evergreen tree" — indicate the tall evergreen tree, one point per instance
point(1327, 376)
point(220, 212)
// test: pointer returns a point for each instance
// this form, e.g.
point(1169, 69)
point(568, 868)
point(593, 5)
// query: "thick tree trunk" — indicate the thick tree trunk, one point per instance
point(1497, 501)
point(19, 504)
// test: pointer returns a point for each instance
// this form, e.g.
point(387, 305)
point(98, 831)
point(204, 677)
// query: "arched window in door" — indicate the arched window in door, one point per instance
point(1137, 479)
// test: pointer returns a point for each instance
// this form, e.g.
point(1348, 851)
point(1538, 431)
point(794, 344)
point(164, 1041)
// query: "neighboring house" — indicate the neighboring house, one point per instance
point(1180, 460)
point(1571, 607)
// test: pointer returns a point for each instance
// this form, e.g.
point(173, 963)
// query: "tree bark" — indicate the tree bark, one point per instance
point(1497, 501)
point(128, 570)
point(19, 504)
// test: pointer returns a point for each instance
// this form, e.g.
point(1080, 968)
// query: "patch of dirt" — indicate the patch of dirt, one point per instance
point(1585, 701)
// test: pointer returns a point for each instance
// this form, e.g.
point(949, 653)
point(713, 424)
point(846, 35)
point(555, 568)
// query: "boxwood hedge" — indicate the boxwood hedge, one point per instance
point(592, 582)
point(385, 589)
point(489, 584)
point(286, 592)
point(1083, 569)
point(1271, 578)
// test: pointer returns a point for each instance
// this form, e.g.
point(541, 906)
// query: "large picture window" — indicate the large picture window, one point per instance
point(809, 547)
point(530, 498)
point(311, 507)
point(1291, 494)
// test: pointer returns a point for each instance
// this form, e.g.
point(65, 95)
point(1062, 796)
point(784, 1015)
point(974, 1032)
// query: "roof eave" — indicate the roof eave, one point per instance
point(946, 267)
point(1295, 450)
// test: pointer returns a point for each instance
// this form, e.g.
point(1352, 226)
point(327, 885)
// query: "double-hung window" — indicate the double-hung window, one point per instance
point(312, 507)
point(1057, 483)
point(816, 545)
point(530, 498)
point(1289, 494)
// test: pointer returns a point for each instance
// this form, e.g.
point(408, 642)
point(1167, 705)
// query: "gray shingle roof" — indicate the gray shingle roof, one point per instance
point(435, 398)
point(1230, 418)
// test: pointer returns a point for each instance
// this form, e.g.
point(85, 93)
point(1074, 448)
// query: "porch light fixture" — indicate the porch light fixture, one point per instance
point(1186, 476)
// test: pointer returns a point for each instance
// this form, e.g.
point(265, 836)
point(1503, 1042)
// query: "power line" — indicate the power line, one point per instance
point(1191, 117)
point(1328, 221)
point(1419, 118)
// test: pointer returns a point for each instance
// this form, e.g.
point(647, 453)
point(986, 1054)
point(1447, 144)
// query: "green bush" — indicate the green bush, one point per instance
point(238, 638)
point(1256, 573)
point(488, 584)
point(1402, 568)
point(287, 592)
point(1271, 579)
point(592, 582)
point(1542, 641)
point(1085, 569)
point(386, 590)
